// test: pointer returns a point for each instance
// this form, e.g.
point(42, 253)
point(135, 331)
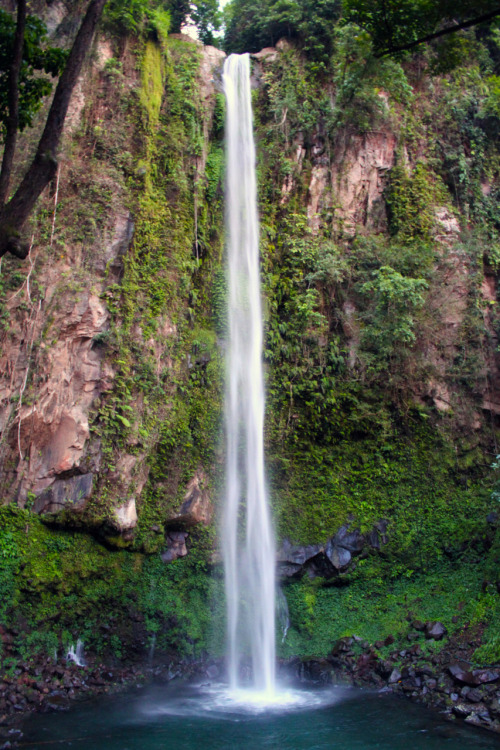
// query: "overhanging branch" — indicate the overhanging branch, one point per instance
point(442, 32)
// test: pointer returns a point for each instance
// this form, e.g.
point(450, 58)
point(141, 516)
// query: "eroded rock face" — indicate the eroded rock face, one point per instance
point(52, 430)
point(125, 516)
point(358, 181)
point(197, 506)
point(63, 494)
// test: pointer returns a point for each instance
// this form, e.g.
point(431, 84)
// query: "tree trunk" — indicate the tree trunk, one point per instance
point(13, 103)
point(44, 165)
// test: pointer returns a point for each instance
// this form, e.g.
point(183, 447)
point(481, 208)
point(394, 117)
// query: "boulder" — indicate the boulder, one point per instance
point(486, 675)
point(338, 556)
point(293, 559)
point(354, 541)
point(72, 493)
point(176, 546)
point(394, 677)
point(462, 675)
point(435, 630)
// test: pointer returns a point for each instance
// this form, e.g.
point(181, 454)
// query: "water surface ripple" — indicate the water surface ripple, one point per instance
point(211, 717)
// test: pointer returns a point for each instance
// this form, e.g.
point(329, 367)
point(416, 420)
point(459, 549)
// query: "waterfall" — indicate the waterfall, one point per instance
point(248, 541)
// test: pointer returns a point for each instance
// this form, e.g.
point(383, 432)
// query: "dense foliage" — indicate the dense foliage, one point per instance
point(159, 16)
point(391, 25)
point(38, 57)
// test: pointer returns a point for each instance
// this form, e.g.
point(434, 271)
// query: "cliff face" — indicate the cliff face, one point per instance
point(379, 265)
point(99, 323)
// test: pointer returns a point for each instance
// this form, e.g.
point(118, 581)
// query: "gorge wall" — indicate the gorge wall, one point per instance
point(380, 254)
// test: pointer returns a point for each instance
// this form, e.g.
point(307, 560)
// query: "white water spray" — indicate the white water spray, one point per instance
point(249, 550)
point(76, 654)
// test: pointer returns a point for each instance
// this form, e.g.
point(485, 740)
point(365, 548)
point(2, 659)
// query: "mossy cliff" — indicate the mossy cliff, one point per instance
point(379, 262)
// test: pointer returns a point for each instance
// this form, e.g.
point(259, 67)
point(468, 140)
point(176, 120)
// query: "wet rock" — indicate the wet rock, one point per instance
point(384, 668)
point(435, 630)
point(353, 541)
point(212, 671)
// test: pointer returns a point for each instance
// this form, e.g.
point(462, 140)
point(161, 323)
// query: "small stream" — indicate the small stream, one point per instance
point(187, 717)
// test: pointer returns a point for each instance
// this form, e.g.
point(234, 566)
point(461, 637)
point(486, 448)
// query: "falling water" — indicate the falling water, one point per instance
point(248, 537)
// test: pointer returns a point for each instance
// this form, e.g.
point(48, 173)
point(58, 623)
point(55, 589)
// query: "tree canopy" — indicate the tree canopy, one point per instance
point(393, 25)
point(253, 24)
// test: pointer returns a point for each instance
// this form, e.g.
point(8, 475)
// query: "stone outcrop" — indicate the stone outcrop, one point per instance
point(176, 546)
point(197, 506)
point(333, 558)
point(65, 494)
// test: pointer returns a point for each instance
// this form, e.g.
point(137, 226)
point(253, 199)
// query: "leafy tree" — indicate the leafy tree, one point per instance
point(24, 55)
point(136, 16)
point(37, 57)
point(207, 17)
point(251, 25)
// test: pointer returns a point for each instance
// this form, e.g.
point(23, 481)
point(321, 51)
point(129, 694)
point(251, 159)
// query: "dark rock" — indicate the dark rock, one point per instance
point(474, 695)
point(383, 668)
point(71, 493)
point(373, 539)
point(492, 519)
point(395, 676)
point(354, 541)
point(426, 670)
point(338, 556)
point(495, 708)
point(461, 675)
point(435, 630)
point(298, 555)
point(486, 675)
point(462, 710)
point(176, 546)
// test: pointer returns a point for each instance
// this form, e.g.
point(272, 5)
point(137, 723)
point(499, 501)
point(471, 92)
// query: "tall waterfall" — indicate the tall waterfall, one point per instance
point(249, 554)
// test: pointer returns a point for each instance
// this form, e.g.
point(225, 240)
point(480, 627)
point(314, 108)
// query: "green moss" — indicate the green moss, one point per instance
point(61, 584)
point(375, 609)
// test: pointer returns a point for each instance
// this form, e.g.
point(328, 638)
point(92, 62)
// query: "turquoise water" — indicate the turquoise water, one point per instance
point(188, 717)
